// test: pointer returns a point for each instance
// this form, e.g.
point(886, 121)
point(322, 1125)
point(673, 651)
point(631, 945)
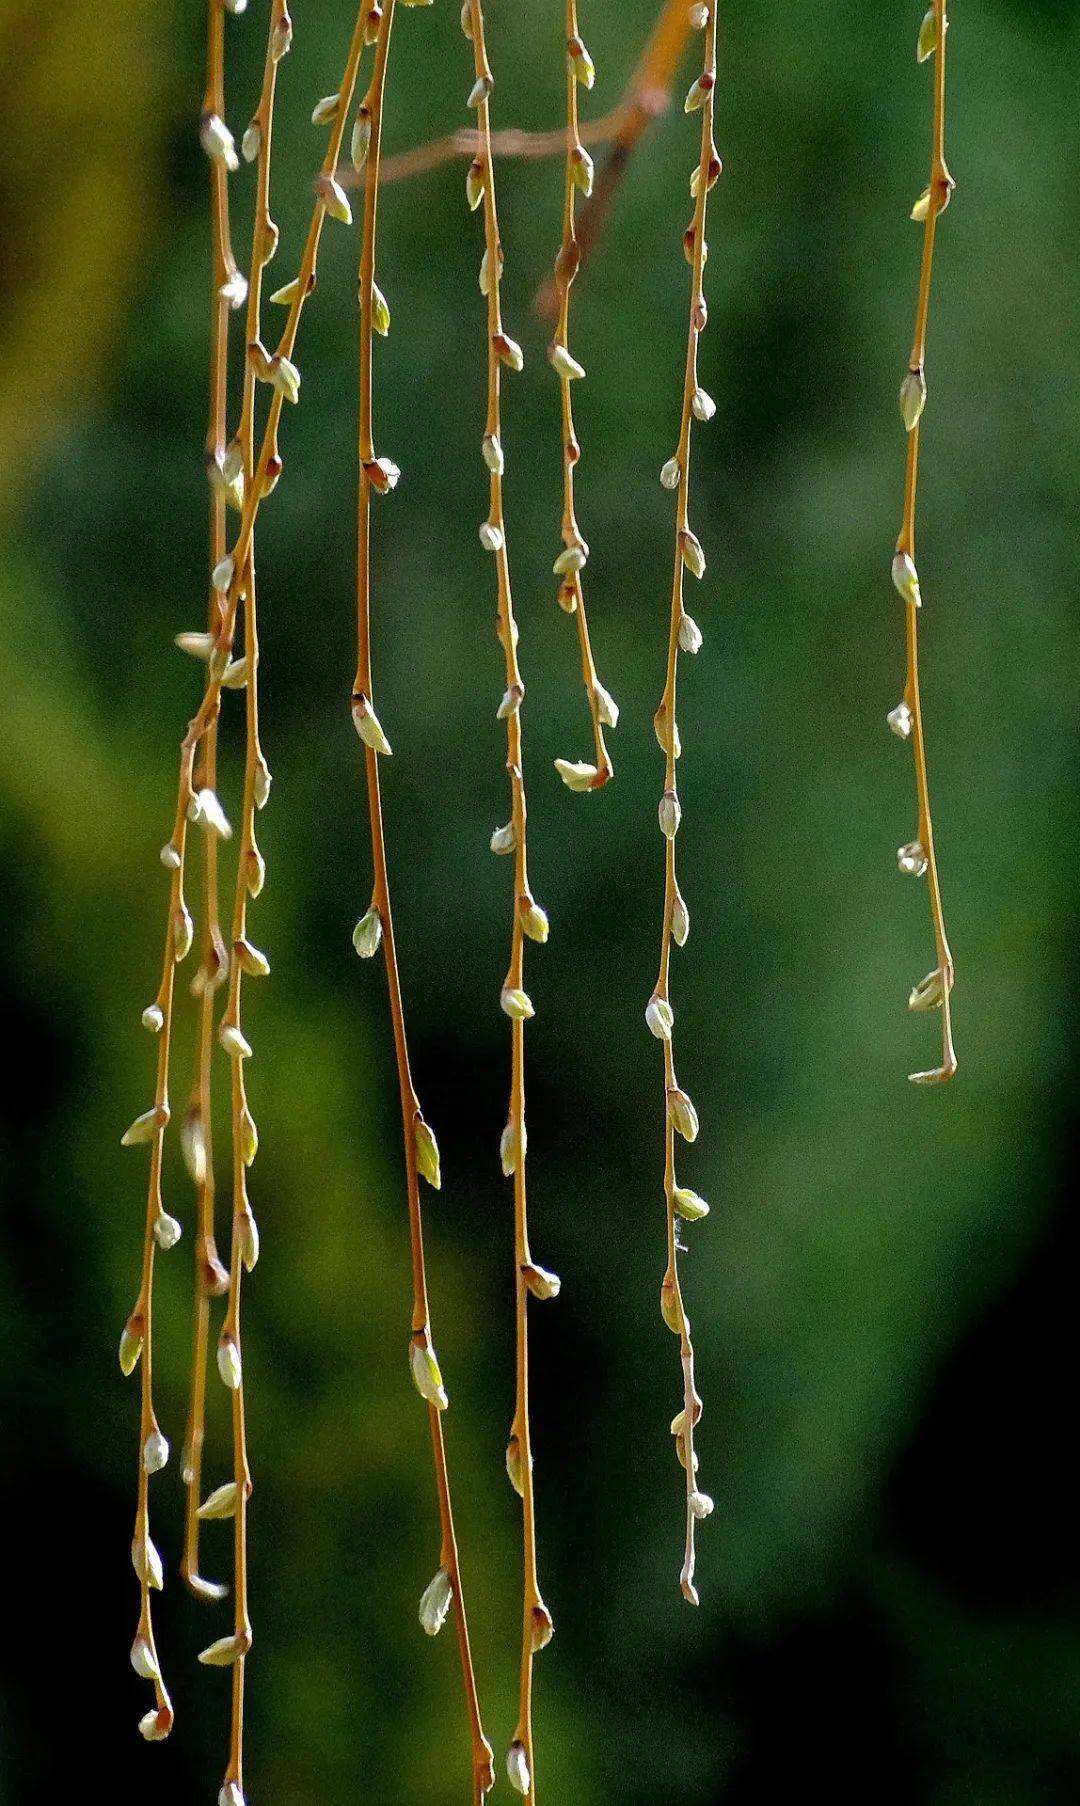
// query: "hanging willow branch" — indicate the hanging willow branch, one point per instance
point(529, 920)
point(681, 1119)
point(918, 858)
point(570, 563)
point(379, 475)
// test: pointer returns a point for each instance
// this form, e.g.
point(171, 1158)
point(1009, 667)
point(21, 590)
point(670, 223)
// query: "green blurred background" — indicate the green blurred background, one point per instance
point(884, 1294)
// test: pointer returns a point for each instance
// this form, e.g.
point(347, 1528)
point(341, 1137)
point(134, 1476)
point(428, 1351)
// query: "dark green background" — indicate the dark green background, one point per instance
point(884, 1294)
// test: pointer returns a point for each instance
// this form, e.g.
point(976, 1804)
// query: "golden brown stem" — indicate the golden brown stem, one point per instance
point(506, 627)
point(941, 187)
point(211, 967)
point(571, 590)
point(672, 1294)
point(483, 1777)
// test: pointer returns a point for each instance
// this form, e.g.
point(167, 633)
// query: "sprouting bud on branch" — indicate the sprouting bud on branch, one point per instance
point(367, 725)
point(906, 579)
point(435, 1602)
point(516, 1003)
point(427, 1154)
point(670, 814)
point(929, 993)
point(368, 933)
point(540, 1281)
point(576, 774)
point(155, 1452)
point(533, 919)
point(542, 1629)
point(660, 1017)
point(131, 1345)
point(689, 1205)
point(144, 1661)
point(517, 1767)
point(911, 859)
point(224, 1652)
point(427, 1377)
point(221, 1503)
point(681, 1114)
point(228, 1360)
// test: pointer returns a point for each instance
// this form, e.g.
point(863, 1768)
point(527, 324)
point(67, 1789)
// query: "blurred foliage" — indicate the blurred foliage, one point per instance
point(882, 1293)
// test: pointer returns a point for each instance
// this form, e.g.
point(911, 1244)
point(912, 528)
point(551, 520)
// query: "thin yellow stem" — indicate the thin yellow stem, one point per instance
point(667, 732)
point(526, 914)
point(940, 190)
point(369, 472)
point(578, 173)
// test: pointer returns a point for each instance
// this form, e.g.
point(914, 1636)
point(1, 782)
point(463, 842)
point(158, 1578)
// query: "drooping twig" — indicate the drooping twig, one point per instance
point(571, 561)
point(528, 918)
point(379, 475)
point(681, 1119)
point(919, 857)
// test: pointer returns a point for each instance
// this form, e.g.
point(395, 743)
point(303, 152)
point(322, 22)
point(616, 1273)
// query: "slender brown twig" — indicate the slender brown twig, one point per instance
point(528, 918)
point(570, 563)
point(379, 475)
point(211, 1279)
point(683, 633)
point(919, 857)
point(246, 960)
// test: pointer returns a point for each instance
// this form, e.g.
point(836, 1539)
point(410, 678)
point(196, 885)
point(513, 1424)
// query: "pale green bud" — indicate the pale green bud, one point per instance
point(167, 1231)
point(504, 840)
point(153, 1018)
point(681, 1114)
point(131, 1346)
point(929, 993)
point(144, 1661)
point(334, 199)
point(234, 1041)
point(427, 1154)
point(228, 1361)
point(426, 1375)
point(533, 920)
point(223, 1653)
point(927, 41)
point(606, 706)
point(540, 1281)
point(517, 1767)
point(368, 726)
point(912, 398)
point(325, 111)
point(576, 774)
point(221, 1503)
point(912, 859)
point(564, 365)
point(516, 1004)
point(670, 814)
point(900, 720)
point(692, 555)
point(689, 1205)
point(155, 1452)
point(380, 311)
point(660, 1018)
point(435, 1602)
point(671, 474)
point(360, 143)
point(368, 933)
point(906, 579)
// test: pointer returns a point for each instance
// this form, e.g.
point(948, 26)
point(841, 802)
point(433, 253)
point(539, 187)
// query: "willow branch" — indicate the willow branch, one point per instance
point(528, 918)
point(920, 856)
point(570, 563)
point(379, 475)
point(683, 634)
